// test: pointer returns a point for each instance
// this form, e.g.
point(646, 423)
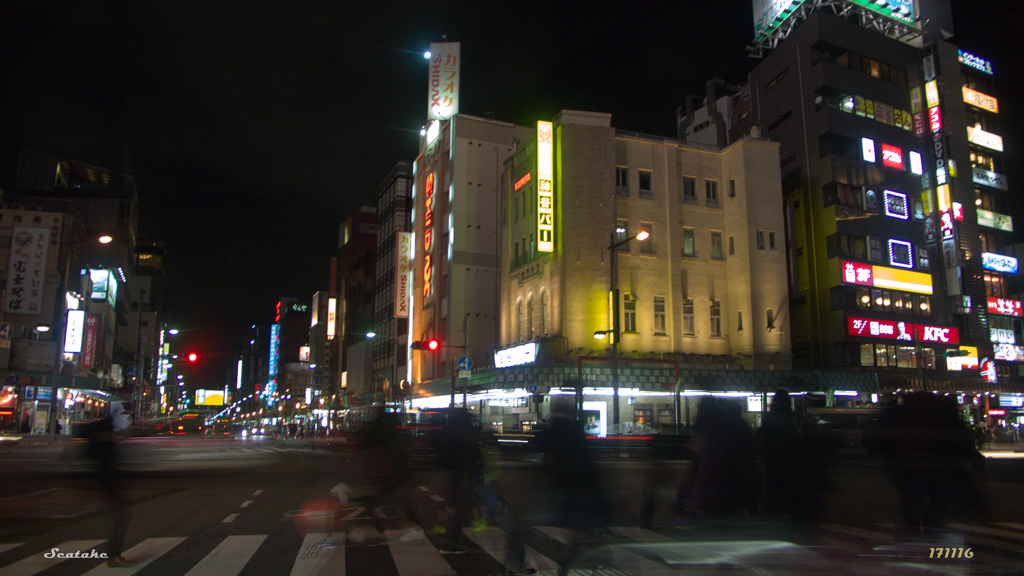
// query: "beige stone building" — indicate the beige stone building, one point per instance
point(707, 286)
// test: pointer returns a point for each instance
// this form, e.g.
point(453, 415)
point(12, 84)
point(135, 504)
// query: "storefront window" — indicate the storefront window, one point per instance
point(863, 299)
point(905, 357)
point(881, 300)
point(994, 286)
point(881, 355)
point(867, 354)
point(902, 303)
point(924, 306)
point(928, 358)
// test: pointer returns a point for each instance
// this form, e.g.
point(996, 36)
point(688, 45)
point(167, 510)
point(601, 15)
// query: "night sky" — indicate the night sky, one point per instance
point(254, 128)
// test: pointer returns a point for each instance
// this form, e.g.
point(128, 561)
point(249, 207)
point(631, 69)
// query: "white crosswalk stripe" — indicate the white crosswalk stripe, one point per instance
point(38, 562)
point(229, 557)
point(635, 551)
point(144, 553)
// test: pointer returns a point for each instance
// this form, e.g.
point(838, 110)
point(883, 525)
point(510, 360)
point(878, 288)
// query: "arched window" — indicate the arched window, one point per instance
point(543, 312)
point(529, 317)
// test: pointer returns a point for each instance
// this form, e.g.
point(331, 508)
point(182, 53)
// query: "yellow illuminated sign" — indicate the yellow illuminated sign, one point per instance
point(905, 280)
point(945, 205)
point(545, 188)
point(931, 93)
point(983, 101)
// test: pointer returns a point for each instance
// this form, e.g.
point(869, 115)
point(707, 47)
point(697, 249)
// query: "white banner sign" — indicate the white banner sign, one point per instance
point(403, 274)
point(443, 77)
point(26, 272)
point(993, 179)
point(987, 139)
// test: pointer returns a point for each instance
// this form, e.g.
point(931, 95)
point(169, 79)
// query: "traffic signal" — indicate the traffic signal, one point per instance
point(193, 357)
point(431, 345)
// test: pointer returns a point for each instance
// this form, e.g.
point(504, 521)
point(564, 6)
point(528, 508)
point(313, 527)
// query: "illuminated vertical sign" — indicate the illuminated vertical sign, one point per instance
point(443, 78)
point(403, 273)
point(428, 236)
point(332, 315)
point(545, 188)
point(238, 377)
point(867, 146)
point(274, 339)
point(74, 331)
point(90, 340)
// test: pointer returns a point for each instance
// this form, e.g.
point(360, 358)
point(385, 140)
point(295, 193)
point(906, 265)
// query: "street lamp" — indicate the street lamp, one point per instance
point(613, 248)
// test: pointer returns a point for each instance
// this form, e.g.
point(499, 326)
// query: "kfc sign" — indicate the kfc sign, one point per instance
point(892, 157)
point(1004, 307)
point(937, 334)
point(854, 273)
point(879, 329)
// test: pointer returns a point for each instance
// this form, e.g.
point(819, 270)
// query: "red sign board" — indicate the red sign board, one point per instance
point(855, 273)
point(934, 119)
point(887, 329)
point(1004, 307)
point(937, 334)
point(90, 340)
point(892, 156)
point(901, 330)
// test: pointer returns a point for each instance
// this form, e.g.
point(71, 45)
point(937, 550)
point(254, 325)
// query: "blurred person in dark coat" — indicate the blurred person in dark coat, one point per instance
point(724, 481)
point(931, 456)
point(461, 457)
point(791, 471)
point(103, 450)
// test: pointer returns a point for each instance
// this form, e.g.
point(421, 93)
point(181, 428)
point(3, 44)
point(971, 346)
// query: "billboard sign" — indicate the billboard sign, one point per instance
point(545, 188)
point(972, 61)
point(885, 277)
point(443, 78)
point(986, 139)
point(403, 274)
point(1009, 353)
point(26, 270)
point(980, 100)
point(275, 336)
point(1004, 307)
point(209, 397)
point(90, 339)
point(998, 263)
point(74, 332)
point(995, 220)
point(887, 329)
point(770, 14)
point(516, 355)
point(987, 178)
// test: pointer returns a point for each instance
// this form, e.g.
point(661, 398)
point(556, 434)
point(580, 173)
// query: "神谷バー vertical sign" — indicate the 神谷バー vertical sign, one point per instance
point(545, 188)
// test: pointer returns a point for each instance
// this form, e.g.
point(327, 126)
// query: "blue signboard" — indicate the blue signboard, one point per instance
point(274, 341)
point(999, 263)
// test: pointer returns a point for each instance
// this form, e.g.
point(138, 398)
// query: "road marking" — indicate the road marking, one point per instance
point(144, 553)
point(642, 534)
point(245, 504)
point(229, 557)
point(229, 519)
point(495, 542)
point(424, 488)
point(858, 532)
point(317, 557)
point(6, 547)
point(621, 557)
point(30, 493)
point(436, 498)
point(1016, 525)
point(257, 493)
point(989, 531)
point(416, 557)
point(36, 563)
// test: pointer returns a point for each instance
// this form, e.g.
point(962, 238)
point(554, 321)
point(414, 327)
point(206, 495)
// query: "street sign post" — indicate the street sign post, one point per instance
point(465, 363)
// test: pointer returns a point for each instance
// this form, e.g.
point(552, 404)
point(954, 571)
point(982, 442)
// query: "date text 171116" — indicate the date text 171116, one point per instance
point(950, 553)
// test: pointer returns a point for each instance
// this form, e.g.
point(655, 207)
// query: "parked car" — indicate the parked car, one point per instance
point(841, 430)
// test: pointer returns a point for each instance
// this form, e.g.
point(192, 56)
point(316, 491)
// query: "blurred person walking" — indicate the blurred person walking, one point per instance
point(790, 470)
point(104, 451)
point(461, 456)
point(724, 480)
point(931, 456)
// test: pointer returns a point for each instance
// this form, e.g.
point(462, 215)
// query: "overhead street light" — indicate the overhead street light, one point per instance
point(613, 248)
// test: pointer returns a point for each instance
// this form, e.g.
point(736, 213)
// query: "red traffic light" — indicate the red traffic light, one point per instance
point(430, 345)
point(192, 357)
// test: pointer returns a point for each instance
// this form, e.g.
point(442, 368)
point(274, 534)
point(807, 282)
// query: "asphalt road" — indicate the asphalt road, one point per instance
point(202, 507)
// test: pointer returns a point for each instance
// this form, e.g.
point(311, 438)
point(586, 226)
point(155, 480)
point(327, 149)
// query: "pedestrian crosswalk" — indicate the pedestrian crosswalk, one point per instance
point(613, 550)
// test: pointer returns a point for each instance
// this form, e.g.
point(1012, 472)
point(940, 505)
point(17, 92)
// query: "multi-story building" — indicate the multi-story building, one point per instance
point(354, 278)
point(455, 271)
point(891, 264)
point(391, 299)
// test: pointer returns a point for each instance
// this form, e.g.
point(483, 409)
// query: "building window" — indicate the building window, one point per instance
point(924, 306)
point(867, 354)
point(863, 299)
point(622, 180)
point(711, 190)
point(716, 318)
point(689, 328)
point(659, 315)
point(529, 318)
point(771, 240)
point(646, 184)
point(732, 188)
point(621, 229)
point(515, 255)
point(689, 190)
point(531, 246)
point(544, 313)
point(760, 239)
point(732, 246)
point(519, 320)
point(628, 313)
point(739, 320)
point(515, 213)
point(716, 246)
point(647, 246)
point(689, 247)
point(994, 286)
point(770, 314)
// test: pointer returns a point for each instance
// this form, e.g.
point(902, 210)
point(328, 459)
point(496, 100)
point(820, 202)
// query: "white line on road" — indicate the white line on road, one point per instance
point(642, 534)
point(144, 553)
point(424, 488)
point(436, 498)
point(416, 557)
point(495, 542)
point(229, 557)
point(245, 504)
point(6, 547)
point(229, 519)
point(36, 563)
point(321, 553)
point(1016, 525)
point(990, 531)
point(257, 493)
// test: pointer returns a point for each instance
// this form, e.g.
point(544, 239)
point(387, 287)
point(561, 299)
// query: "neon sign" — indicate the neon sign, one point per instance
point(885, 277)
point(1004, 307)
point(522, 354)
point(999, 263)
point(522, 181)
point(443, 90)
point(896, 205)
point(428, 235)
point(982, 138)
point(892, 157)
point(545, 188)
point(901, 254)
point(980, 64)
point(983, 101)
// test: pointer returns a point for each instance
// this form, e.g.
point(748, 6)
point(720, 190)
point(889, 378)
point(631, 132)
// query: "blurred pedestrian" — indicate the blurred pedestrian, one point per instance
point(788, 461)
point(461, 457)
point(932, 458)
point(103, 450)
point(723, 482)
point(26, 427)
